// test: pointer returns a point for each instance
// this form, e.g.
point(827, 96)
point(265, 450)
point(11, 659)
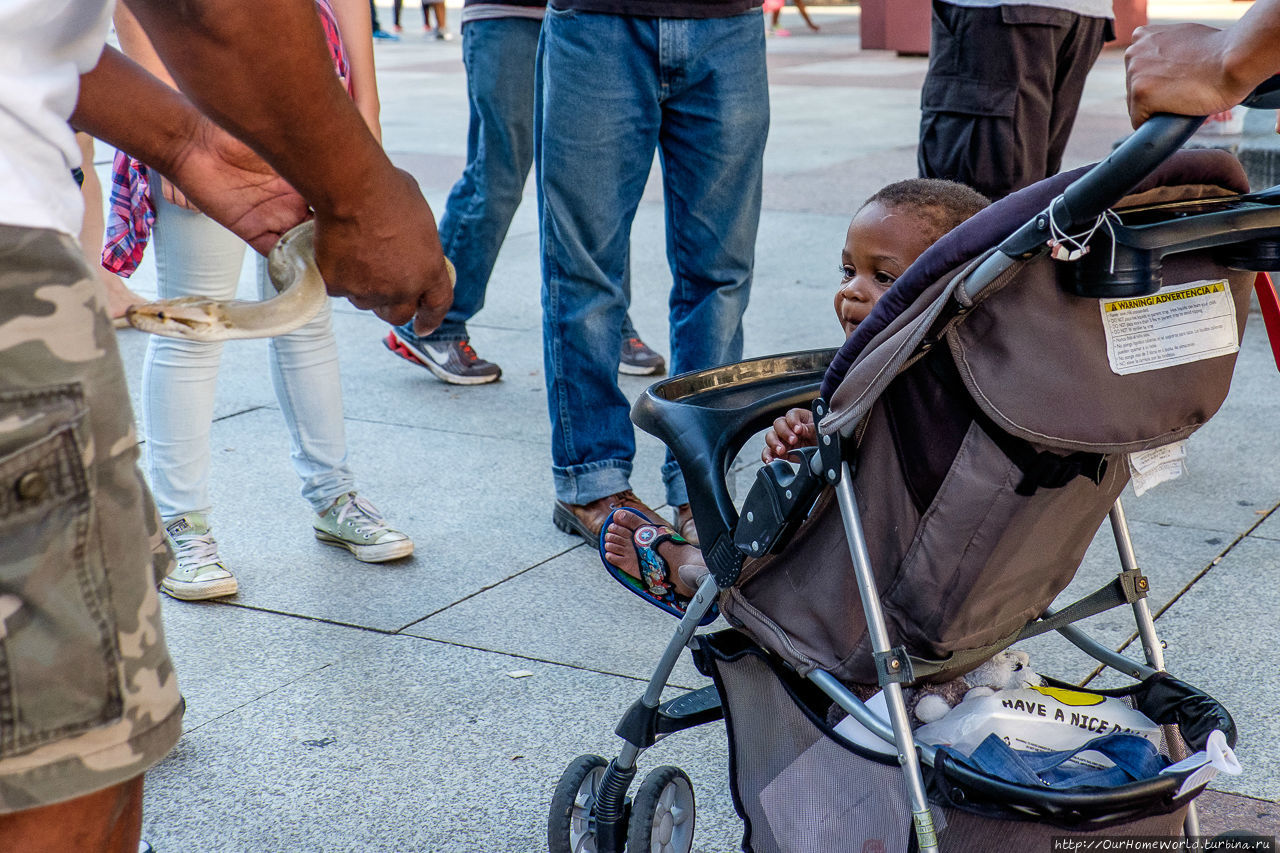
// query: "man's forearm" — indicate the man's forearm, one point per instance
point(1253, 46)
point(246, 65)
point(159, 123)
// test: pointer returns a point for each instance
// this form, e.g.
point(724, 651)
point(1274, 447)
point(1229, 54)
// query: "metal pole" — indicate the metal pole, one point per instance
point(922, 817)
point(1151, 645)
point(1141, 611)
point(702, 601)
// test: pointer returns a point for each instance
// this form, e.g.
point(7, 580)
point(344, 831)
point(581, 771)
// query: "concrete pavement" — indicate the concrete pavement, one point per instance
point(337, 706)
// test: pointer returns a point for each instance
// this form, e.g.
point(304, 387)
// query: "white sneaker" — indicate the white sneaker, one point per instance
point(355, 524)
point(200, 573)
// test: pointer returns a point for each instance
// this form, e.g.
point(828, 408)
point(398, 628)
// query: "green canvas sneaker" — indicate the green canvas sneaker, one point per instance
point(200, 573)
point(355, 524)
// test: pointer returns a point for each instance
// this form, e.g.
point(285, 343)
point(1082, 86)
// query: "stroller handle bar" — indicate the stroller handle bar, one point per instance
point(1112, 179)
point(1105, 184)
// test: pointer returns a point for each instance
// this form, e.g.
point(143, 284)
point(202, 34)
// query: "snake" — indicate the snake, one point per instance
point(300, 294)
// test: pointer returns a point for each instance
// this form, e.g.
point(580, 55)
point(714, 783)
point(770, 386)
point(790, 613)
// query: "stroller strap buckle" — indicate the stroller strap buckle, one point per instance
point(894, 666)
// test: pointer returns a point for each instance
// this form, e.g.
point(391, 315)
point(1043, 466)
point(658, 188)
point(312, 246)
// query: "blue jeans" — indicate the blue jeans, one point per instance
point(500, 56)
point(1134, 758)
point(196, 256)
point(615, 89)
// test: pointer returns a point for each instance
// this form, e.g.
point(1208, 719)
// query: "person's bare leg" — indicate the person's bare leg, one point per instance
point(119, 296)
point(106, 821)
point(620, 549)
point(804, 13)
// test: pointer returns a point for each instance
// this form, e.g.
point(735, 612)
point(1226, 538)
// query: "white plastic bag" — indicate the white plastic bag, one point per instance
point(1039, 719)
point(855, 732)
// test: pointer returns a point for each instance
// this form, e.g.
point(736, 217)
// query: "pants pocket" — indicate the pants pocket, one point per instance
point(969, 96)
point(59, 657)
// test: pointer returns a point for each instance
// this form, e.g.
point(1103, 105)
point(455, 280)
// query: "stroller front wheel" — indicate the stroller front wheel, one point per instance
point(571, 824)
point(662, 813)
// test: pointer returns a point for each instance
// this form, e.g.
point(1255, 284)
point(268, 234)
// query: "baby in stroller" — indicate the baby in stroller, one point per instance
point(888, 232)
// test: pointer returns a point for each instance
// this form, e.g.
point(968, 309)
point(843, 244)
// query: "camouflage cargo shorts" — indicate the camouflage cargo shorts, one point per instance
point(88, 696)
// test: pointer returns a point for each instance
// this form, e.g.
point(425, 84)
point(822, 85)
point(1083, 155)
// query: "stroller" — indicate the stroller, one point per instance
point(974, 433)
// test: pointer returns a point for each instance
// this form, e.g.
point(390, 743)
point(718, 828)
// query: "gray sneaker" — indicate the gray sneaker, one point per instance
point(200, 573)
point(355, 524)
point(639, 360)
point(454, 362)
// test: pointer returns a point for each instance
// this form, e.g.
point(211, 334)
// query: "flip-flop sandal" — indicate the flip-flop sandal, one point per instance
point(656, 588)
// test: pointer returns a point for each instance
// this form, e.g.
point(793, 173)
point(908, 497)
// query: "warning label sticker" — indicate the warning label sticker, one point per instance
point(1150, 468)
point(1177, 325)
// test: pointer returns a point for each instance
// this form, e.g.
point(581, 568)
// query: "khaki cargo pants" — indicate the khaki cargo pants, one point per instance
point(88, 696)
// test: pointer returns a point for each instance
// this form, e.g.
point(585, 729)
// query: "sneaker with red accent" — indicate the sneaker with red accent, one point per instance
point(638, 360)
point(454, 362)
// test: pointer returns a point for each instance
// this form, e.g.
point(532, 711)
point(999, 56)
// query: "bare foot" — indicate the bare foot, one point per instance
point(620, 549)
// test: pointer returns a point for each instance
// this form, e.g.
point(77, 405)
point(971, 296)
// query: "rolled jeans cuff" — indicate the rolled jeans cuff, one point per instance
point(673, 480)
point(582, 484)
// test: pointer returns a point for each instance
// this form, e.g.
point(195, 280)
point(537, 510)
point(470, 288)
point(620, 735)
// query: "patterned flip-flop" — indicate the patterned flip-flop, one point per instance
point(656, 586)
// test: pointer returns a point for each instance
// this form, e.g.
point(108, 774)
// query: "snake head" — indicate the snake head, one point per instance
point(190, 318)
point(292, 271)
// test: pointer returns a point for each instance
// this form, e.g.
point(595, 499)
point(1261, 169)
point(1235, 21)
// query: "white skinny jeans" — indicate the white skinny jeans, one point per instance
point(196, 256)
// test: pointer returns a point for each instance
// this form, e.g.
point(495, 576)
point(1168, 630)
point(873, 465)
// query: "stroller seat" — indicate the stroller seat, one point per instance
point(988, 437)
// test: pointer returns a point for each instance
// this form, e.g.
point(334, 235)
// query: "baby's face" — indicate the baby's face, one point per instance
point(882, 242)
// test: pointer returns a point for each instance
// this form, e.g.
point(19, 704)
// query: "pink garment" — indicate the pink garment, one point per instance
point(131, 216)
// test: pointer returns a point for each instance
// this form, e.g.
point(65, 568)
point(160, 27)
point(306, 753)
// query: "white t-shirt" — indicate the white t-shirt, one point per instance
point(45, 45)
point(1089, 8)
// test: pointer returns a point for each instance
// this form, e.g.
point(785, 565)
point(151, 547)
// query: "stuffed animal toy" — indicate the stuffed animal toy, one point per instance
point(1008, 670)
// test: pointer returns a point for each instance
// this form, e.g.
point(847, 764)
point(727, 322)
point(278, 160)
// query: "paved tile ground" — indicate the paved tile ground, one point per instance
point(335, 706)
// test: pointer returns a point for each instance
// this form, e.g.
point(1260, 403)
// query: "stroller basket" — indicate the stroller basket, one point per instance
point(783, 745)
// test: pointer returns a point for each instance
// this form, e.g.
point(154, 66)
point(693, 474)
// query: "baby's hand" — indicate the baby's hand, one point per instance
point(794, 430)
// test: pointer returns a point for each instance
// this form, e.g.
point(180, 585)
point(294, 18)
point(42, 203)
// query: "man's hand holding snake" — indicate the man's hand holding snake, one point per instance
point(376, 241)
point(385, 255)
point(225, 179)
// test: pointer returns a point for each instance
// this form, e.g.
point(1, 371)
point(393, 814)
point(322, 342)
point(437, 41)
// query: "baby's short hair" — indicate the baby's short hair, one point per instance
point(939, 204)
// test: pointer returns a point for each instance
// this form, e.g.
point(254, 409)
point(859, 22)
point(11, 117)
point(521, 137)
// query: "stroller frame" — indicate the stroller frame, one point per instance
point(705, 417)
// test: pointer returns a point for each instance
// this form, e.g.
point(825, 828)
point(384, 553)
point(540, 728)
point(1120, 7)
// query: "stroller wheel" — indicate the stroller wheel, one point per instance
point(662, 813)
point(571, 825)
